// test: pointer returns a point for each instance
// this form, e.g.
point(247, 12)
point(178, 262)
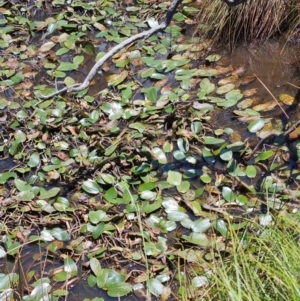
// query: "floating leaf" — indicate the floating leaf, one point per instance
point(264, 107)
point(98, 230)
point(196, 127)
point(174, 177)
point(205, 178)
point(150, 93)
point(201, 225)
point(47, 46)
point(96, 216)
point(113, 109)
point(138, 126)
point(225, 89)
point(60, 234)
point(264, 156)
point(286, 99)
point(177, 216)
point(179, 155)
point(148, 195)
point(213, 57)
point(205, 72)
point(70, 266)
point(34, 160)
point(244, 104)
point(160, 155)
point(147, 72)
point(107, 178)
point(2, 255)
point(228, 194)
point(7, 175)
point(234, 169)
point(183, 187)
point(78, 59)
point(91, 187)
point(199, 281)
point(66, 66)
point(226, 154)
point(47, 194)
point(155, 287)
point(206, 88)
point(141, 169)
point(221, 227)
point(116, 79)
point(168, 147)
point(22, 185)
point(256, 125)
point(118, 289)
point(265, 219)
point(251, 171)
point(234, 96)
point(6, 281)
point(95, 266)
point(199, 239)
point(212, 140)
point(183, 145)
point(208, 156)
point(26, 196)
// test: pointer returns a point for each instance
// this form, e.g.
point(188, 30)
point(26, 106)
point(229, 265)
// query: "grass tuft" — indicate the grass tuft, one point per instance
point(257, 20)
point(259, 266)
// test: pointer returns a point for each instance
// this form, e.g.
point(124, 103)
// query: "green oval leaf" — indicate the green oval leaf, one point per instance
point(159, 155)
point(264, 156)
point(174, 177)
point(212, 140)
point(60, 234)
point(228, 194)
point(118, 289)
point(91, 187)
point(256, 125)
point(251, 171)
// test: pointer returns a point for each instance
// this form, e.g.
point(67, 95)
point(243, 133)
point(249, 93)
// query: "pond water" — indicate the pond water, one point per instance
point(271, 67)
point(274, 64)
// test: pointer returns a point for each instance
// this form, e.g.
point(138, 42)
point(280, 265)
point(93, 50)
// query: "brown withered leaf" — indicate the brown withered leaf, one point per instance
point(247, 80)
point(223, 70)
point(264, 107)
point(228, 80)
point(295, 134)
point(27, 84)
point(246, 103)
point(53, 175)
point(61, 155)
point(239, 71)
point(249, 92)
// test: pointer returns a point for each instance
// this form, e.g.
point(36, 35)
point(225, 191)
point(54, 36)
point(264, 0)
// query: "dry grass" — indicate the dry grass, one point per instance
point(257, 20)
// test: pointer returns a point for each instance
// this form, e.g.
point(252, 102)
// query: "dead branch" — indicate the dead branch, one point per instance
point(145, 34)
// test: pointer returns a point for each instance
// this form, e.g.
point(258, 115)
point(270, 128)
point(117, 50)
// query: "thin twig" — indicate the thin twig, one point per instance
point(272, 96)
point(293, 85)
